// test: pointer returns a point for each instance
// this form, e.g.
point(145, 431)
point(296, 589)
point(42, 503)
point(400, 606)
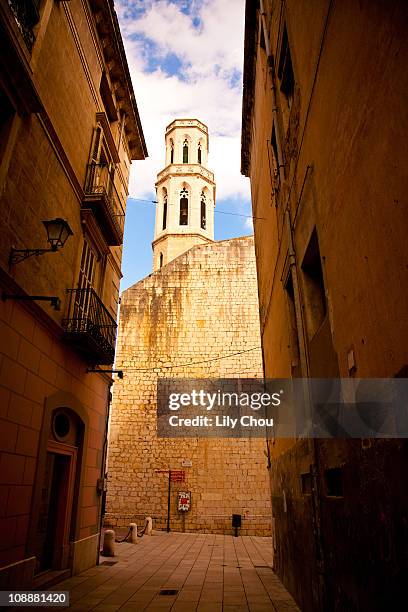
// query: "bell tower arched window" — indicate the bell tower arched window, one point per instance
point(185, 152)
point(161, 260)
point(164, 224)
point(203, 211)
point(199, 153)
point(171, 152)
point(184, 207)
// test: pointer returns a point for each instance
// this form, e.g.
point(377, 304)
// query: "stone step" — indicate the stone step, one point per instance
point(49, 578)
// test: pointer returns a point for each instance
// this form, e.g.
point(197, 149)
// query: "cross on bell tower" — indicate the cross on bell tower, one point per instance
point(185, 193)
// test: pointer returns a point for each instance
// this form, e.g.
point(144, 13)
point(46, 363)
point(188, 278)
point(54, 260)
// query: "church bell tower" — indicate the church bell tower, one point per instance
point(185, 193)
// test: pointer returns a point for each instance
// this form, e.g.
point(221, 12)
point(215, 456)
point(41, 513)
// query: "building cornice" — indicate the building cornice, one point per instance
point(248, 83)
point(118, 70)
point(163, 237)
point(187, 123)
point(189, 170)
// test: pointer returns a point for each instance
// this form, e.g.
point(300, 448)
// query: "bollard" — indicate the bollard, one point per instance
point(149, 525)
point(133, 533)
point(108, 543)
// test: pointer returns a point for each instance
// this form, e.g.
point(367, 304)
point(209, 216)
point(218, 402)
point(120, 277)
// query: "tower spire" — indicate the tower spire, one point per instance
point(185, 193)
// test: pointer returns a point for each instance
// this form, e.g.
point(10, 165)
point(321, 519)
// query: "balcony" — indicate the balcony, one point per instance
point(103, 199)
point(89, 327)
point(27, 16)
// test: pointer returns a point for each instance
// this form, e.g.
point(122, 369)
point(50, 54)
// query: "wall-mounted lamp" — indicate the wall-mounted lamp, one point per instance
point(58, 232)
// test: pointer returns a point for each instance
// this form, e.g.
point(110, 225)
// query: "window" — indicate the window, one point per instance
point(306, 483)
point(184, 207)
point(164, 225)
point(276, 162)
point(203, 210)
point(185, 152)
point(171, 152)
point(96, 147)
point(285, 70)
point(101, 170)
point(199, 153)
point(334, 482)
point(161, 260)
point(313, 286)
point(7, 113)
point(262, 38)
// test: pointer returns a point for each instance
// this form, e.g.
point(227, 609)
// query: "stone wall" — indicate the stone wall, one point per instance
point(200, 306)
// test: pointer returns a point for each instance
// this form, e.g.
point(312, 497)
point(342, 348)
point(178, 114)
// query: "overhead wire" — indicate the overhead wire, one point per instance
point(192, 363)
point(221, 212)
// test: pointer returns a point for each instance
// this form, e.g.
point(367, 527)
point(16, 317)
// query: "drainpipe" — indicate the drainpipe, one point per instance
point(101, 482)
point(304, 367)
point(313, 443)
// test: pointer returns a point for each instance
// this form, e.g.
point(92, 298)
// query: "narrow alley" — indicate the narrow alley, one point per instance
point(201, 572)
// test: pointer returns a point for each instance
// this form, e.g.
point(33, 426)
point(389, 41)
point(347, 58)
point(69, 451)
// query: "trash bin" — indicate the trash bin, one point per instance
point(236, 523)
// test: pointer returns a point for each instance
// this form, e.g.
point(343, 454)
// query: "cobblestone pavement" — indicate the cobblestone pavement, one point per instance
point(203, 572)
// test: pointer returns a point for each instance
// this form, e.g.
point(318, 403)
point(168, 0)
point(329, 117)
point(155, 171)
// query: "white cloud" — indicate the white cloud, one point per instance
point(207, 87)
point(249, 224)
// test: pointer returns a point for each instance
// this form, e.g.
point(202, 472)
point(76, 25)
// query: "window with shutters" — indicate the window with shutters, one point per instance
point(314, 292)
point(88, 324)
point(102, 195)
point(285, 70)
point(86, 282)
point(276, 161)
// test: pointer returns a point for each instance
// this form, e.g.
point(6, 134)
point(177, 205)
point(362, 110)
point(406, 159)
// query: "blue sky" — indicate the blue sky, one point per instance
point(185, 59)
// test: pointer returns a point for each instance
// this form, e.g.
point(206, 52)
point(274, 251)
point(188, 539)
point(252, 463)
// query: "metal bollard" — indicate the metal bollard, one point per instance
point(149, 525)
point(108, 543)
point(133, 533)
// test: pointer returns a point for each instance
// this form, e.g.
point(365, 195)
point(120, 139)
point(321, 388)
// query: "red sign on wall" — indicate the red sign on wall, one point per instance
point(177, 475)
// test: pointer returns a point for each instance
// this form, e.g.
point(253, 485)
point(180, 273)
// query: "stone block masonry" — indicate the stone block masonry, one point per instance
point(201, 306)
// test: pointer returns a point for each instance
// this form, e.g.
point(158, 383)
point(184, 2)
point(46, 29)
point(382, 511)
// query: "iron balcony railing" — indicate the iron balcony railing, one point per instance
point(101, 195)
point(27, 15)
point(89, 326)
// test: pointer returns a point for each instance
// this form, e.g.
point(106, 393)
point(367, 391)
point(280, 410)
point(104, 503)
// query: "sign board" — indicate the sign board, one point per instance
point(186, 463)
point(184, 501)
point(177, 475)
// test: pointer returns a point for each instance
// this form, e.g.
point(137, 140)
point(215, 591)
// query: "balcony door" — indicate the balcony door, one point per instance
point(101, 168)
point(86, 282)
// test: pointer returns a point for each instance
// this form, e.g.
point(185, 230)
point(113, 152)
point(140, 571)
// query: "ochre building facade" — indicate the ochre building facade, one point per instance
point(196, 316)
point(69, 130)
point(323, 142)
